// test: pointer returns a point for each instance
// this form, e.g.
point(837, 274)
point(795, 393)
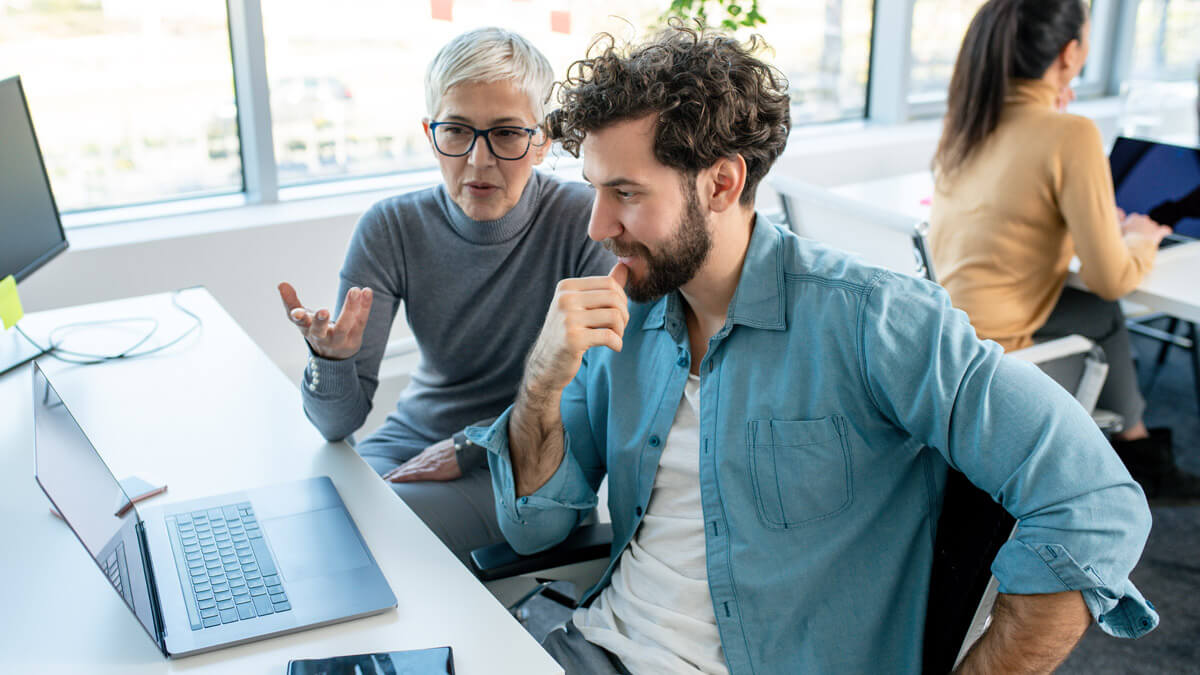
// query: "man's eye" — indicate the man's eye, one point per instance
point(453, 131)
point(506, 133)
point(624, 195)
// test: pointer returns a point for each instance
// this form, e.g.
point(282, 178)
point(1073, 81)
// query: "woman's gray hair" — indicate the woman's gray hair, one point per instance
point(489, 55)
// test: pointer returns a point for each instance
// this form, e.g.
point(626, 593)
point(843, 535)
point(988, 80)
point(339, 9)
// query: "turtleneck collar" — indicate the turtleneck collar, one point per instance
point(503, 228)
point(1031, 92)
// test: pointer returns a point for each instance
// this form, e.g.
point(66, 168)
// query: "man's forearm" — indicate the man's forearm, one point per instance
point(535, 438)
point(1029, 634)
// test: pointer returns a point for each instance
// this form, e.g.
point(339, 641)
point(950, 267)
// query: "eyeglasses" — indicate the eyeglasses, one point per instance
point(455, 140)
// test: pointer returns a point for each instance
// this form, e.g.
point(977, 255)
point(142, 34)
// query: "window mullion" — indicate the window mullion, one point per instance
point(1123, 35)
point(891, 60)
point(253, 100)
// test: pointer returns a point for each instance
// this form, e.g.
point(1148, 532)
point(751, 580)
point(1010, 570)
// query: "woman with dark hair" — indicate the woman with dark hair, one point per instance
point(1022, 187)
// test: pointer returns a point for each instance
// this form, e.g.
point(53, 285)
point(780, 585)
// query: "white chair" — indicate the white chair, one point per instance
point(879, 236)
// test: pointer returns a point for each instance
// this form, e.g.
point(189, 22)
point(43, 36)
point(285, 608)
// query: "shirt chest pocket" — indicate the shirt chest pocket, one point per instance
point(800, 470)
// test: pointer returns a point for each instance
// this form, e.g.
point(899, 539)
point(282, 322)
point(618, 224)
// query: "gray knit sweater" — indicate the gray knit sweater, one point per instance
point(475, 295)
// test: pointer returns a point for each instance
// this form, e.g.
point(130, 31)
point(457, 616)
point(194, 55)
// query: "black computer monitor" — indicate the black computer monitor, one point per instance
point(31, 232)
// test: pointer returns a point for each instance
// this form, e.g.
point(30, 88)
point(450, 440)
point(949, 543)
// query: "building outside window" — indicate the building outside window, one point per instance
point(132, 100)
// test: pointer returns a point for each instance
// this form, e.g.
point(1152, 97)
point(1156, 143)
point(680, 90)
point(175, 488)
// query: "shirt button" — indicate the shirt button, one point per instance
point(524, 500)
point(638, 510)
point(683, 361)
point(654, 442)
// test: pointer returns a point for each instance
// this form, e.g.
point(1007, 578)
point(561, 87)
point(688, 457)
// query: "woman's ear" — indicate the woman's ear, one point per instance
point(428, 132)
point(1070, 60)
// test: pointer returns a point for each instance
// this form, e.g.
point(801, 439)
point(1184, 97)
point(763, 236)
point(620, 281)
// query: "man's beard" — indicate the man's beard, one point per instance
point(680, 258)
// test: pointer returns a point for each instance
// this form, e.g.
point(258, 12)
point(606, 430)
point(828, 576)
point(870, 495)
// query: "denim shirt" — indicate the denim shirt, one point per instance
point(831, 403)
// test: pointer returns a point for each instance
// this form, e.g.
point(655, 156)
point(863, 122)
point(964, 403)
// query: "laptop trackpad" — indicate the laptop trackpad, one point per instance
point(316, 543)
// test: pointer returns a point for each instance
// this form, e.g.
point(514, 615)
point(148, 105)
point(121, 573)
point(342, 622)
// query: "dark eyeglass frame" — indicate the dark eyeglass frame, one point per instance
point(529, 134)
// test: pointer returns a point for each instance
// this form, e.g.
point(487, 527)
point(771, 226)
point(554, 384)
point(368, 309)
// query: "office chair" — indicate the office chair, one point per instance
point(1171, 336)
point(973, 526)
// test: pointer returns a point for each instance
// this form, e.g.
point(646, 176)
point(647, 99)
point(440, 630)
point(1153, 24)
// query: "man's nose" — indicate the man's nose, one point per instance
point(604, 223)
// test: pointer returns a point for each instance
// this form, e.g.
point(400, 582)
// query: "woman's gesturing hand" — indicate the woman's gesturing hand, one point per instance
point(338, 339)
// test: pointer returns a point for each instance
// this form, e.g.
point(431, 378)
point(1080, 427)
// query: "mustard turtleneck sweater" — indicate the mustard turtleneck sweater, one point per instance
point(1006, 224)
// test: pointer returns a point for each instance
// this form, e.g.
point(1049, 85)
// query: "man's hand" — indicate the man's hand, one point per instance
point(1141, 225)
point(1029, 634)
point(336, 340)
point(585, 313)
point(436, 462)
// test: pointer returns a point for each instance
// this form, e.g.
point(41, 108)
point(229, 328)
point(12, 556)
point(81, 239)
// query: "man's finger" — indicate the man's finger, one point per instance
point(620, 274)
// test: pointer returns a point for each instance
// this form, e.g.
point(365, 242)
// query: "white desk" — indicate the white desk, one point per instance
point(1172, 286)
point(209, 415)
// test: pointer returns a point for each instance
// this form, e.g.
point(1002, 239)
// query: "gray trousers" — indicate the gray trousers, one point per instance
point(1082, 313)
point(577, 656)
point(462, 513)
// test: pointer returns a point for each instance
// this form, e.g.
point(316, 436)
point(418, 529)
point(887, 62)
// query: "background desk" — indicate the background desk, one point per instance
point(210, 415)
point(1171, 286)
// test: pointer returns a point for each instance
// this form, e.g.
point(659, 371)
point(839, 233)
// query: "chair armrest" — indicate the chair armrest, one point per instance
point(1054, 349)
point(500, 561)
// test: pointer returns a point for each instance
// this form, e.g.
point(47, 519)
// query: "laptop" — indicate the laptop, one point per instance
point(211, 572)
point(1160, 180)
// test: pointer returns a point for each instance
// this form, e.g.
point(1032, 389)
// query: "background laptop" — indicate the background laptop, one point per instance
point(1160, 180)
point(211, 572)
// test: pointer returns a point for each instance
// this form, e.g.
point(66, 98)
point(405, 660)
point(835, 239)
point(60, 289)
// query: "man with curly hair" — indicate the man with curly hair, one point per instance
point(777, 419)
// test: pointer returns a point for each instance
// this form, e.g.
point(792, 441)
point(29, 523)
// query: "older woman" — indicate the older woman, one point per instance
point(466, 258)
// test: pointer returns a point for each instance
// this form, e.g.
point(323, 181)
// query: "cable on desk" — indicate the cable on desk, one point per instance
point(55, 349)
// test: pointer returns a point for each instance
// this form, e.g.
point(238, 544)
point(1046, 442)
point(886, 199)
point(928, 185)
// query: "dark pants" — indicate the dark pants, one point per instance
point(1082, 313)
point(577, 656)
point(462, 512)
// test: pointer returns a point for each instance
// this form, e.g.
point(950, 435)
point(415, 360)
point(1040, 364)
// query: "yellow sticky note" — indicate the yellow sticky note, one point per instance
point(10, 303)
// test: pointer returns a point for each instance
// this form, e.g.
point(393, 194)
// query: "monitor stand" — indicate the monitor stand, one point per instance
point(15, 351)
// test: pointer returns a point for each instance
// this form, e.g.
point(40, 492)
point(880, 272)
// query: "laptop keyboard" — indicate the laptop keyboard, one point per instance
point(225, 567)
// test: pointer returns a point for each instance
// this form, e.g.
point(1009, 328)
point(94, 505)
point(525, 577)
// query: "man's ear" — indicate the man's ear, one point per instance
point(725, 181)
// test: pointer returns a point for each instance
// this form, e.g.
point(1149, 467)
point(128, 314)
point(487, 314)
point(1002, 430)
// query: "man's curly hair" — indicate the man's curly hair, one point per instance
point(713, 98)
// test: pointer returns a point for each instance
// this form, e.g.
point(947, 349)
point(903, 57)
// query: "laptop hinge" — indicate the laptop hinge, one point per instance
point(160, 632)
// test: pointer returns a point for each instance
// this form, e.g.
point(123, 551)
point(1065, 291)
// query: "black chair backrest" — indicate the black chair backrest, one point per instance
point(970, 532)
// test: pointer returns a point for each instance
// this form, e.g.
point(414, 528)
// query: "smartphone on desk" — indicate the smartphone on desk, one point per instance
point(436, 661)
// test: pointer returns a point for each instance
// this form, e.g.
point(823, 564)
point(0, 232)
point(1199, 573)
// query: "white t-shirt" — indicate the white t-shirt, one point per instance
point(657, 615)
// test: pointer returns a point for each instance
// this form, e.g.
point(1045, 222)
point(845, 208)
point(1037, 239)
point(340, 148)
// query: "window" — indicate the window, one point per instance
point(347, 87)
point(824, 48)
point(937, 34)
point(347, 93)
point(132, 99)
point(1167, 40)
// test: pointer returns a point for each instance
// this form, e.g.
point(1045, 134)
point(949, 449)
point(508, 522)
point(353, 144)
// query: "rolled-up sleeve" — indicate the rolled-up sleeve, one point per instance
point(1082, 521)
point(543, 519)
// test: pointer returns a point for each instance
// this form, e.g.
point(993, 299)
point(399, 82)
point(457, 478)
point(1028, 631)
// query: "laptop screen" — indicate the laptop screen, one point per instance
point(1160, 180)
point(90, 499)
